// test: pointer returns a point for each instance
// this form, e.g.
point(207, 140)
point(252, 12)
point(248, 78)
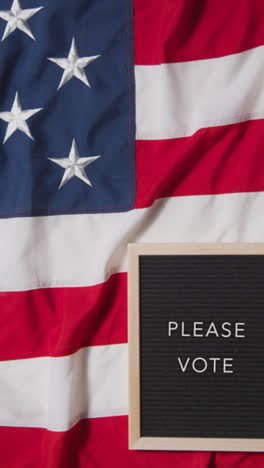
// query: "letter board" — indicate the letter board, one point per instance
point(196, 346)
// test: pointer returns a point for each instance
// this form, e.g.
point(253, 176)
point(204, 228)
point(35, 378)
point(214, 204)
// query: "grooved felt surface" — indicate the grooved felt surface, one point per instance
point(201, 288)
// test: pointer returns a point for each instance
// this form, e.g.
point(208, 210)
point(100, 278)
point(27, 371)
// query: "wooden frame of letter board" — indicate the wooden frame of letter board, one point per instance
point(136, 442)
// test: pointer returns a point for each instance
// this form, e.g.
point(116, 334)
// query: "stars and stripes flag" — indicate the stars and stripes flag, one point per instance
point(120, 121)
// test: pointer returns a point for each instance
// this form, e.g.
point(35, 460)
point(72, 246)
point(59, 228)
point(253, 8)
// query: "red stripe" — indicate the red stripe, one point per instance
point(215, 160)
point(182, 30)
point(59, 321)
point(101, 443)
point(93, 443)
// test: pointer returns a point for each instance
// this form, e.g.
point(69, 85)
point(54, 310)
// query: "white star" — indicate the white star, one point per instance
point(16, 118)
point(74, 65)
point(74, 165)
point(17, 19)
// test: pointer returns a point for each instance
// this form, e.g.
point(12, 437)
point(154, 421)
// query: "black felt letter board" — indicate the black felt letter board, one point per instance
point(201, 288)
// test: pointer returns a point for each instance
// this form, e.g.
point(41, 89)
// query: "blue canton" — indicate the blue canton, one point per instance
point(67, 120)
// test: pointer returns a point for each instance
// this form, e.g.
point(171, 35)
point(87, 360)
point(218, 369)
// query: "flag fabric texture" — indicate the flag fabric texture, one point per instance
point(120, 121)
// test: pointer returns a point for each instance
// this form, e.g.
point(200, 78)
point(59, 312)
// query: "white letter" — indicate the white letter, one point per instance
point(201, 359)
point(226, 329)
point(237, 330)
point(183, 368)
point(225, 365)
point(170, 327)
point(214, 359)
point(197, 328)
point(184, 334)
point(212, 329)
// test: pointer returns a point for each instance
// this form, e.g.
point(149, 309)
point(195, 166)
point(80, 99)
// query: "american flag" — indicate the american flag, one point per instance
point(120, 121)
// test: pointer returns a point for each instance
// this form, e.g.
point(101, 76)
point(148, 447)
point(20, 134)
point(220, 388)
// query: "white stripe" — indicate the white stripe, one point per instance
point(83, 250)
point(177, 99)
point(55, 393)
